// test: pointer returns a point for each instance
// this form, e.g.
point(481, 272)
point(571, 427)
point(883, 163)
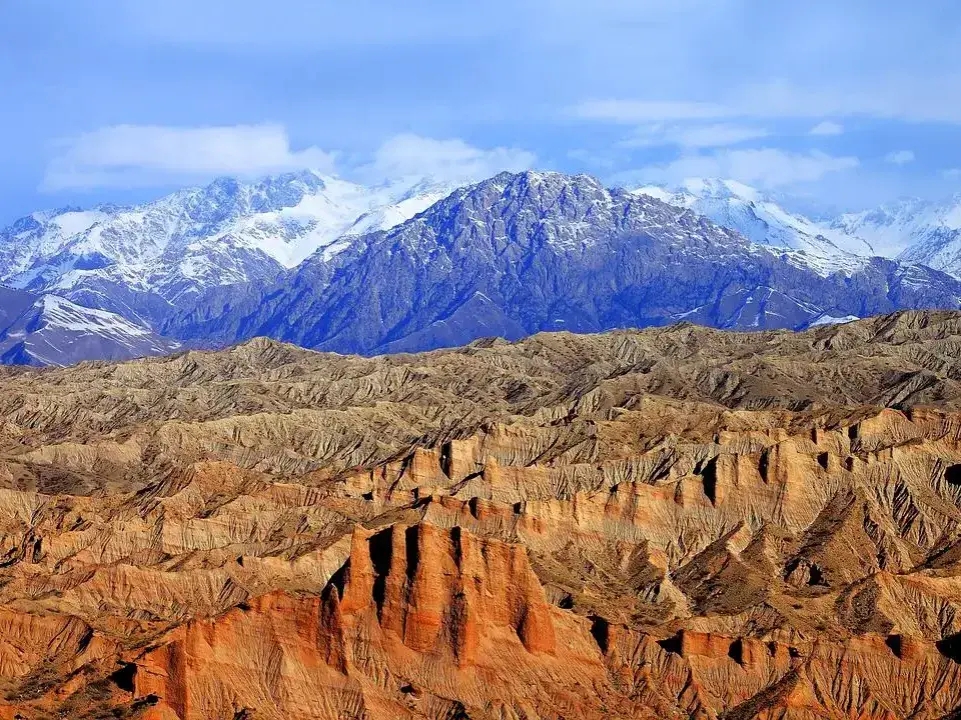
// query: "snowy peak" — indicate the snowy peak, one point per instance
point(51, 330)
point(910, 229)
point(721, 189)
point(571, 215)
point(761, 220)
point(61, 314)
point(914, 230)
point(225, 233)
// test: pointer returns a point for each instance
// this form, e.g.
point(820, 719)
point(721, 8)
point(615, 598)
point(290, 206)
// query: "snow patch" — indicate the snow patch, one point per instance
point(831, 320)
point(65, 315)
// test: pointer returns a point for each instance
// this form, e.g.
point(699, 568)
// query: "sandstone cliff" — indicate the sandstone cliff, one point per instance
point(675, 523)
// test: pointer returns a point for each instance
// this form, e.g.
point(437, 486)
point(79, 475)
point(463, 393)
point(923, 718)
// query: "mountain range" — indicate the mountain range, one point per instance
point(419, 264)
point(50, 330)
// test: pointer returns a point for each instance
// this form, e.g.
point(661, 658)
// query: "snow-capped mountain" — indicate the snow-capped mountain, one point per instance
point(522, 253)
point(761, 220)
point(913, 230)
point(50, 330)
point(416, 264)
point(139, 261)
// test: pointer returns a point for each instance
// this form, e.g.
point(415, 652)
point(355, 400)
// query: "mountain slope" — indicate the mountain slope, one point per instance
point(913, 230)
point(418, 264)
point(50, 330)
point(142, 261)
point(517, 254)
point(761, 220)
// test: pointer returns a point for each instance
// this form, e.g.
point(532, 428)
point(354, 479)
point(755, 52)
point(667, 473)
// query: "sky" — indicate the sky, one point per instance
point(844, 104)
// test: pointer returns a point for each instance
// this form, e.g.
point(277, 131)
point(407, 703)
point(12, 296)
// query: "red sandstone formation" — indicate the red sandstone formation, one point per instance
point(676, 523)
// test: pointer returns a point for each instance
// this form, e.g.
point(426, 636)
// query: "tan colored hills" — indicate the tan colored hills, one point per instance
point(671, 523)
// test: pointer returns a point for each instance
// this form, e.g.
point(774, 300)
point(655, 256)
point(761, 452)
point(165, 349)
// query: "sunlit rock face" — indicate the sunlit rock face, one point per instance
point(672, 523)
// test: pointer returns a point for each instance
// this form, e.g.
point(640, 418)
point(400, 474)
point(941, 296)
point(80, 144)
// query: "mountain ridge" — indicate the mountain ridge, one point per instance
point(676, 522)
point(520, 253)
point(51, 330)
point(161, 254)
point(291, 255)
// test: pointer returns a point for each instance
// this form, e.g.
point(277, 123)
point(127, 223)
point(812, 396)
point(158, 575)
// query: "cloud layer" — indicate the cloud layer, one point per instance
point(827, 128)
point(915, 100)
point(765, 168)
point(150, 155)
point(146, 155)
point(451, 160)
point(694, 135)
point(900, 157)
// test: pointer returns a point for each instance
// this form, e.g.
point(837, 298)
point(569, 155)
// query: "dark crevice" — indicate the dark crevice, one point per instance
point(85, 641)
point(950, 647)
point(124, 677)
point(709, 478)
point(145, 702)
point(671, 644)
point(379, 547)
point(823, 460)
point(763, 465)
point(380, 551)
point(457, 712)
point(339, 579)
point(445, 458)
point(894, 643)
point(952, 474)
point(456, 540)
point(412, 547)
point(816, 575)
point(601, 631)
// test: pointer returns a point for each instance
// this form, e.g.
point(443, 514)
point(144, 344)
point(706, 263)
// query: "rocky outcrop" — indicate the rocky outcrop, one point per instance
point(674, 523)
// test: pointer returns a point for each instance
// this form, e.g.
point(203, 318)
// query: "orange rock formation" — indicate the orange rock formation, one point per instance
point(675, 523)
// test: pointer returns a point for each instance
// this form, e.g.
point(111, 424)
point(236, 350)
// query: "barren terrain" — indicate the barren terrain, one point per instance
point(670, 523)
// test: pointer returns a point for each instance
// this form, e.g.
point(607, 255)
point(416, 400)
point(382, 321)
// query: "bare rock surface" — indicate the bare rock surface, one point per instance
point(672, 523)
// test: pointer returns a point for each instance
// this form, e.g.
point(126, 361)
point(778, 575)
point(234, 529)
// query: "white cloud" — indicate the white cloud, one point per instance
point(827, 128)
point(592, 159)
point(142, 155)
point(139, 155)
point(901, 157)
point(765, 168)
point(694, 136)
point(952, 174)
point(641, 111)
point(910, 99)
point(451, 160)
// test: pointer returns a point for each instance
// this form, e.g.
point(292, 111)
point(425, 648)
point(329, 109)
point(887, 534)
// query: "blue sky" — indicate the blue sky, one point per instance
point(849, 102)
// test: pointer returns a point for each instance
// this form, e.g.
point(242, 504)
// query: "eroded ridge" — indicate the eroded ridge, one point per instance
point(672, 523)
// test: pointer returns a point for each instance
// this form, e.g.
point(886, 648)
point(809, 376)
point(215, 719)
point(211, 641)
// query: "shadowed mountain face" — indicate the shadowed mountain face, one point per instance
point(519, 254)
point(51, 330)
point(672, 523)
point(328, 265)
